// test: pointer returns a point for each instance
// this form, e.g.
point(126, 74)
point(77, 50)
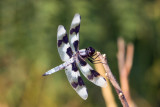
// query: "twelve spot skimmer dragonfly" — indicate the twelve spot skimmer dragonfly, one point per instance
point(73, 57)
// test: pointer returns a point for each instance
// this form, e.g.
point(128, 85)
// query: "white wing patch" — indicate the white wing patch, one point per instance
point(74, 33)
point(76, 81)
point(63, 45)
point(90, 73)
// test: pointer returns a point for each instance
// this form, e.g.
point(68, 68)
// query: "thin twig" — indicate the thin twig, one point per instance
point(113, 80)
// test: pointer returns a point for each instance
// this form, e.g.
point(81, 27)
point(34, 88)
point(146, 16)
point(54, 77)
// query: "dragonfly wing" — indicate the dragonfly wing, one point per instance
point(75, 80)
point(90, 73)
point(63, 45)
point(74, 33)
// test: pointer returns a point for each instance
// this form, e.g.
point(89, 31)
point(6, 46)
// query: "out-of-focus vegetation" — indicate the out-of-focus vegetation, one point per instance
point(28, 30)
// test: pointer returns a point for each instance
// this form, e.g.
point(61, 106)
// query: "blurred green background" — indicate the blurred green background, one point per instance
point(28, 30)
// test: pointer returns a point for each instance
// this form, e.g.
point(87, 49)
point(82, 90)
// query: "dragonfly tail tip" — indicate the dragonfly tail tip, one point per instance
point(44, 74)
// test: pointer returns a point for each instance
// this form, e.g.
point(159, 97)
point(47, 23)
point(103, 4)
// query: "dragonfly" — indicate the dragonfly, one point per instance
point(74, 58)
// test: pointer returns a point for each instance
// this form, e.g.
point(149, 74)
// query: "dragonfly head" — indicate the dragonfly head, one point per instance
point(90, 51)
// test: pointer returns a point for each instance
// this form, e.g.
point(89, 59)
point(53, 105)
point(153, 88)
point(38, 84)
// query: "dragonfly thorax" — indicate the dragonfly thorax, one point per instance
point(87, 52)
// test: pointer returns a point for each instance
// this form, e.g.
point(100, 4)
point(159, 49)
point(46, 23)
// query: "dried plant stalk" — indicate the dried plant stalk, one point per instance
point(106, 91)
point(113, 81)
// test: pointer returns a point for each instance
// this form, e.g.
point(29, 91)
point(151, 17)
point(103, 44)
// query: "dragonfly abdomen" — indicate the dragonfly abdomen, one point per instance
point(58, 68)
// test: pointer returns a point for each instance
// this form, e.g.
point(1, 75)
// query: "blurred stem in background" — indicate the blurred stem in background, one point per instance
point(125, 65)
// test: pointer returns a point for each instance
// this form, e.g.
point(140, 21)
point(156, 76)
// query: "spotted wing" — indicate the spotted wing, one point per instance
point(74, 33)
point(63, 45)
point(90, 73)
point(75, 80)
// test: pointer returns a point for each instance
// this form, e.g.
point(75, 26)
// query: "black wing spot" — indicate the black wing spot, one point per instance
point(90, 77)
point(74, 84)
point(93, 74)
point(69, 52)
point(76, 29)
point(82, 62)
point(65, 39)
point(59, 43)
point(75, 44)
point(80, 81)
point(74, 67)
